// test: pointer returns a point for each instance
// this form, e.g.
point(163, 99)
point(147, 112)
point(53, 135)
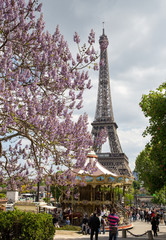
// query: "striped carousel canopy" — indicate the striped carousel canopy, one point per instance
point(97, 173)
point(99, 169)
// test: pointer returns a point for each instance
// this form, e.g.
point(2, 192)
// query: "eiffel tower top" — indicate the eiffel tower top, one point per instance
point(104, 110)
point(103, 41)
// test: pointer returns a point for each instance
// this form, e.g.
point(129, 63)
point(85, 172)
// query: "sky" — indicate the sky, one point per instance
point(136, 55)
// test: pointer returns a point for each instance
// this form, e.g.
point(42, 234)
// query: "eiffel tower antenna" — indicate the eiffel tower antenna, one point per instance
point(103, 27)
point(115, 160)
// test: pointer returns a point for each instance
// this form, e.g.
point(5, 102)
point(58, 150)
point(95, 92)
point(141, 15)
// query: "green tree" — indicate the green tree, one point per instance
point(56, 192)
point(148, 171)
point(159, 197)
point(153, 157)
point(136, 185)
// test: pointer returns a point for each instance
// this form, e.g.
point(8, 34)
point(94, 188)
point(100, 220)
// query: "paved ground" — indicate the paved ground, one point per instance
point(139, 228)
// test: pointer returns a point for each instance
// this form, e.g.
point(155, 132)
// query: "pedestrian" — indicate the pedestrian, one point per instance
point(145, 215)
point(152, 214)
point(141, 215)
point(164, 216)
point(103, 223)
point(134, 215)
point(137, 216)
point(157, 221)
point(100, 218)
point(55, 219)
point(154, 226)
point(85, 225)
point(113, 220)
point(94, 225)
point(103, 211)
point(67, 221)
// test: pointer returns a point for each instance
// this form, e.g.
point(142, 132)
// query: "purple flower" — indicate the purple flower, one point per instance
point(41, 86)
point(76, 38)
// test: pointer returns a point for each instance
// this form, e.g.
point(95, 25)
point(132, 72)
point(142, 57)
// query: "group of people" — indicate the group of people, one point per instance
point(95, 223)
point(153, 216)
point(144, 214)
point(85, 224)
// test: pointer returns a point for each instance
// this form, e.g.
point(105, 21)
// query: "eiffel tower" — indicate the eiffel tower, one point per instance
point(115, 160)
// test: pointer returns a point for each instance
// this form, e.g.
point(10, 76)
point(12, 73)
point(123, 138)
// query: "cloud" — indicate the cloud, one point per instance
point(132, 143)
point(136, 55)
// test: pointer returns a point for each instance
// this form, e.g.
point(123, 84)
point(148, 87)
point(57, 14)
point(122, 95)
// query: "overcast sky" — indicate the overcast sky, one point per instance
point(136, 52)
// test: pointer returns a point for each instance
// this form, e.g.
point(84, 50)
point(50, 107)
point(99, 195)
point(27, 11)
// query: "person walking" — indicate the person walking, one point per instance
point(100, 217)
point(164, 216)
point(157, 221)
point(94, 224)
point(141, 215)
point(85, 225)
point(113, 220)
point(154, 226)
point(103, 223)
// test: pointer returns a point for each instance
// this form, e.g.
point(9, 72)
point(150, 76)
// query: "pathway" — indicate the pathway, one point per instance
point(138, 229)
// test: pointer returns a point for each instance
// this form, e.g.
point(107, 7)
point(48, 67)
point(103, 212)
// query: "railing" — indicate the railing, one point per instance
point(124, 212)
point(121, 208)
point(124, 234)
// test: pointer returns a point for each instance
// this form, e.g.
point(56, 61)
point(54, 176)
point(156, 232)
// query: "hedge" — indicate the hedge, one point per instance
point(19, 225)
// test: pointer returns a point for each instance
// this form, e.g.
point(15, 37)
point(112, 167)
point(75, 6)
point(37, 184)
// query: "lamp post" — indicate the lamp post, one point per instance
point(165, 196)
point(38, 187)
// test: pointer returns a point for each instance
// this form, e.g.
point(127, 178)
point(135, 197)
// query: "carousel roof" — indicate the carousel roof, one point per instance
point(99, 175)
point(99, 168)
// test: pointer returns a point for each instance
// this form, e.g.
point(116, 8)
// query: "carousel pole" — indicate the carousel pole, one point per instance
point(110, 193)
point(103, 194)
point(113, 197)
point(118, 195)
point(79, 194)
point(124, 188)
point(100, 197)
point(90, 198)
point(94, 190)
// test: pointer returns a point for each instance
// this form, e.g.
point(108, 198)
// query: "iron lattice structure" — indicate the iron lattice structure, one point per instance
point(115, 160)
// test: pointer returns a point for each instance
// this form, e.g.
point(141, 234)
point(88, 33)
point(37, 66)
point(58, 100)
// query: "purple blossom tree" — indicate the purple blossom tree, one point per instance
point(40, 86)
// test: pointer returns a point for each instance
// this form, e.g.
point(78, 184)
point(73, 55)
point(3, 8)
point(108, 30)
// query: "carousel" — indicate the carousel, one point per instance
point(96, 192)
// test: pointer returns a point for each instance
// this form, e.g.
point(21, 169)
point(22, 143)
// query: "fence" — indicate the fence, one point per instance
point(124, 234)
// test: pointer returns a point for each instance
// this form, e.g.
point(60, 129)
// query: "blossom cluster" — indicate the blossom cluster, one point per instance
point(99, 139)
point(41, 84)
